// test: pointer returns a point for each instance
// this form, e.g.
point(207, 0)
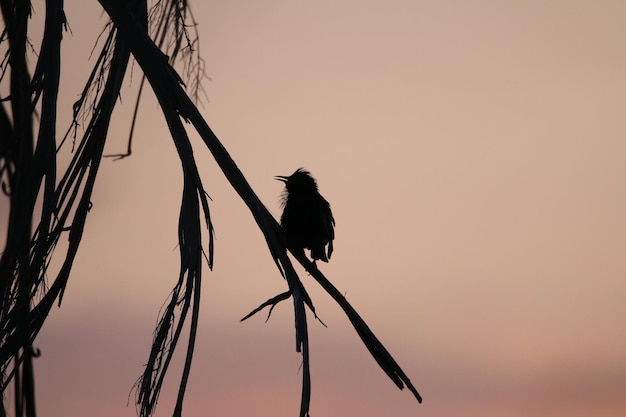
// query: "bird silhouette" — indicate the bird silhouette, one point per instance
point(307, 220)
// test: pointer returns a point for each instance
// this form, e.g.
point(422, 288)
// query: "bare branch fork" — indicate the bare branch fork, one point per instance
point(176, 105)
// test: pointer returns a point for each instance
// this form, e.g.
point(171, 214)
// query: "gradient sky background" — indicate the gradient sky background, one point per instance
point(474, 154)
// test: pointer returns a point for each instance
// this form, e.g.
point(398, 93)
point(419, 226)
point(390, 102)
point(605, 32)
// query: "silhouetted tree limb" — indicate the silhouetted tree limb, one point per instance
point(29, 174)
point(271, 303)
point(167, 85)
point(23, 169)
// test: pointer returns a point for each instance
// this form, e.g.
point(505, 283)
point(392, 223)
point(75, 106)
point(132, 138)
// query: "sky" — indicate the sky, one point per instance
point(474, 155)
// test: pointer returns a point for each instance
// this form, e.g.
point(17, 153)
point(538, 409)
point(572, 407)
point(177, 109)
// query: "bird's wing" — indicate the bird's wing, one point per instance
point(329, 228)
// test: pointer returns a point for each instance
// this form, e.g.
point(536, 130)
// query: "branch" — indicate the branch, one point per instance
point(375, 347)
point(167, 86)
point(271, 302)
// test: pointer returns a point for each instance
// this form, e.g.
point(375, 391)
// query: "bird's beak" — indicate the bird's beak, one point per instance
point(281, 178)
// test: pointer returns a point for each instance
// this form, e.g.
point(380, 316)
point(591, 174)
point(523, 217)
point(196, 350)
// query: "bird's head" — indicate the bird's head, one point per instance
point(299, 181)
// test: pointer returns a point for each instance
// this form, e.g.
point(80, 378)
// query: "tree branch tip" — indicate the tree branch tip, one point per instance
point(270, 302)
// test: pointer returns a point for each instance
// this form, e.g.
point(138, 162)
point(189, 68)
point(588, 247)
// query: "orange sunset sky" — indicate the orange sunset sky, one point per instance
point(474, 155)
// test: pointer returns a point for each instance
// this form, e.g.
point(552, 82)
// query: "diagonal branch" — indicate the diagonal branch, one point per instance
point(166, 85)
point(375, 347)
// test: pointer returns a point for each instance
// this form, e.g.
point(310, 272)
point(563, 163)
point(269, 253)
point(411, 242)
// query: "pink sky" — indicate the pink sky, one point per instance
point(474, 154)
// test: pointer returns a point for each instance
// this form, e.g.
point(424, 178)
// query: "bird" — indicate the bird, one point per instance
point(307, 220)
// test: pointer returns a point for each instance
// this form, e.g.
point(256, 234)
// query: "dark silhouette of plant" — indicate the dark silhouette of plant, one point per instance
point(46, 204)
